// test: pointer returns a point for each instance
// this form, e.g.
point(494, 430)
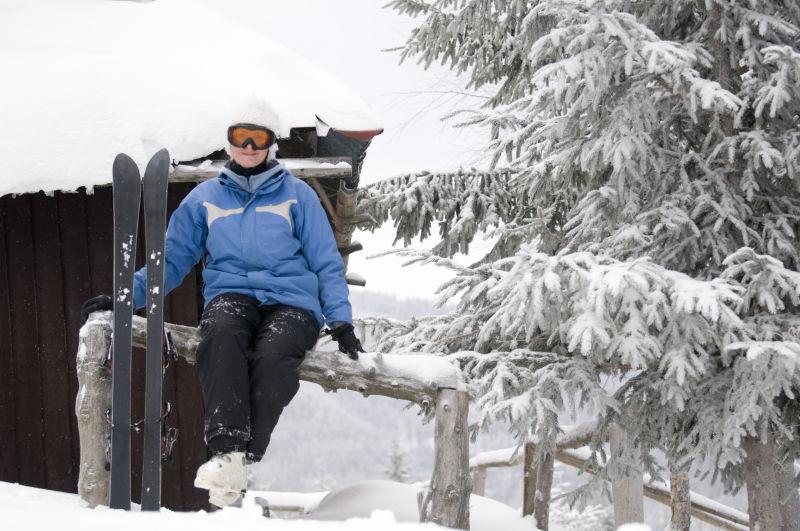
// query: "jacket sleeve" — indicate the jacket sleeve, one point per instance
point(324, 260)
point(184, 246)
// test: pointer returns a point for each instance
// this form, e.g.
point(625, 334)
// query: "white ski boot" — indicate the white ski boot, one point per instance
point(224, 476)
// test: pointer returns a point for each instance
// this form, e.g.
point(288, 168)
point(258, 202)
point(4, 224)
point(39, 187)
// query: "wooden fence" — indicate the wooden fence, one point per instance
point(429, 381)
point(629, 486)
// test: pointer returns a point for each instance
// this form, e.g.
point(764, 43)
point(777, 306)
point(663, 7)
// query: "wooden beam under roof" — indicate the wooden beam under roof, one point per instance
point(317, 167)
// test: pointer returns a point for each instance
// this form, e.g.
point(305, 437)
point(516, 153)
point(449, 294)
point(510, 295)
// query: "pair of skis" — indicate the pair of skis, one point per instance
point(128, 191)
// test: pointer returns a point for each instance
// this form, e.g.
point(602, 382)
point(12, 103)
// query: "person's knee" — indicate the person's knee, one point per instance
point(289, 331)
point(223, 326)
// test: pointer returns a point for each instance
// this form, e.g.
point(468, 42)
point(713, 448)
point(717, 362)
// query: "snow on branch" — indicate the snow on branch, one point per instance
point(463, 203)
point(533, 332)
point(767, 282)
point(754, 349)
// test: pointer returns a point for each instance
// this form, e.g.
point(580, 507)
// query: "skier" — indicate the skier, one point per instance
point(272, 276)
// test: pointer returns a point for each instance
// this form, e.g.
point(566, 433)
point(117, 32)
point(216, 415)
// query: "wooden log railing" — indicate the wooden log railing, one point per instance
point(570, 451)
point(317, 167)
point(429, 381)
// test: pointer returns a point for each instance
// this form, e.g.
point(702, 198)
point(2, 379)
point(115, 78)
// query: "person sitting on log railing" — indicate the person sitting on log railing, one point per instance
point(272, 277)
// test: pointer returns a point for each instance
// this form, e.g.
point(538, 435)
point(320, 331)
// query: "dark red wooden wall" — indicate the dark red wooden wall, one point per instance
point(56, 252)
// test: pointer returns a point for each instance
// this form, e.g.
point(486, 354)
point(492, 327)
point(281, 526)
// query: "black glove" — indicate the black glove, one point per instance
point(348, 342)
point(101, 303)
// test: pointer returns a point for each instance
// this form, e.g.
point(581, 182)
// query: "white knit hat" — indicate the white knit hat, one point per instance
point(254, 109)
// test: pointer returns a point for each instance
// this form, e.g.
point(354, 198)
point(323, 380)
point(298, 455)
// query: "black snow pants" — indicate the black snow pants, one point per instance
point(247, 361)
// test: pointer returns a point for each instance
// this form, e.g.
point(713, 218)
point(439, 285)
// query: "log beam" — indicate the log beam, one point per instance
point(320, 167)
point(372, 374)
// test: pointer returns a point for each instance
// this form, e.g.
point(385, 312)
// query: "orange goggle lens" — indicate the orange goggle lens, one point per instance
point(259, 137)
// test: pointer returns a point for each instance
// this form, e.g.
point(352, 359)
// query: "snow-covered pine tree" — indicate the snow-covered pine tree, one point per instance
point(398, 469)
point(643, 190)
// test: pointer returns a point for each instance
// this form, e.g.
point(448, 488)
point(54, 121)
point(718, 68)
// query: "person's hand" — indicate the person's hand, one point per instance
point(348, 342)
point(100, 303)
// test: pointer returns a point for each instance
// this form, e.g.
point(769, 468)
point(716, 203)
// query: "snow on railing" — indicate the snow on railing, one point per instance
point(302, 168)
point(570, 451)
point(430, 381)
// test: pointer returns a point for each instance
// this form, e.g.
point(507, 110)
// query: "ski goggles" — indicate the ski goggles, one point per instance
point(242, 135)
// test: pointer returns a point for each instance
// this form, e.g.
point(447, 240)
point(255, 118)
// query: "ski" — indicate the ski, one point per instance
point(155, 214)
point(127, 189)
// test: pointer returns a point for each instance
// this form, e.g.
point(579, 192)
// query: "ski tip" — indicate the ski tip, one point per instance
point(159, 162)
point(161, 155)
point(123, 163)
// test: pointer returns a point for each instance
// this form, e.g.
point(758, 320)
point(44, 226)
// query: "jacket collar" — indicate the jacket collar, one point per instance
point(265, 181)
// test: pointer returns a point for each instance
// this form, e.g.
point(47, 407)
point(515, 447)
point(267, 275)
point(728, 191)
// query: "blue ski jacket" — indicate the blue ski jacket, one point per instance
point(267, 236)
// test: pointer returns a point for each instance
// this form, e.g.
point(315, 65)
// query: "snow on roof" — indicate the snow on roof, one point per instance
point(83, 80)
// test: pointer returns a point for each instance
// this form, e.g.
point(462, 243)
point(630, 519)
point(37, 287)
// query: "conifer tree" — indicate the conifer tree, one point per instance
point(398, 469)
point(643, 190)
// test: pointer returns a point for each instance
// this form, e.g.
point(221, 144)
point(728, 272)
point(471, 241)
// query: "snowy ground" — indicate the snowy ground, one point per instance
point(374, 505)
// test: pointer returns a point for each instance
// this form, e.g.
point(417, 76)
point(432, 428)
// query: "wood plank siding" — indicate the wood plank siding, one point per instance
point(56, 252)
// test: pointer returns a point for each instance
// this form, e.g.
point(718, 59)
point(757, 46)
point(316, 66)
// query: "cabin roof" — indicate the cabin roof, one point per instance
point(84, 80)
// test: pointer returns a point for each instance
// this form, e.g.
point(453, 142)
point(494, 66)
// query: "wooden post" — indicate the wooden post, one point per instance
point(544, 486)
point(680, 501)
point(345, 209)
point(479, 480)
point(627, 485)
point(537, 484)
point(772, 500)
point(450, 484)
point(529, 480)
point(91, 404)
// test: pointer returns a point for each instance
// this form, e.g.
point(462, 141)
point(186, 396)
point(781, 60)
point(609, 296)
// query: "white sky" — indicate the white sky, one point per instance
point(347, 37)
